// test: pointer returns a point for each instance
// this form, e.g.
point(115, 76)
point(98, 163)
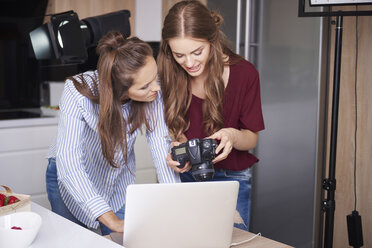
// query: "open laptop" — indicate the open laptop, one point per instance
point(180, 215)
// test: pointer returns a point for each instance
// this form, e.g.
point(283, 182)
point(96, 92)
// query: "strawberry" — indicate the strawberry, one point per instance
point(12, 199)
point(2, 200)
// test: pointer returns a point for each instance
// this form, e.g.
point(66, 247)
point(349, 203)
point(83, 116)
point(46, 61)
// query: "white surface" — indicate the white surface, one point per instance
point(180, 215)
point(42, 200)
point(28, 122)
point(24, 171)
point(55, 92)
point(58, 232)
point(46, 111)
point(30, 224)
point(22, 158)
point(26, 138)
point(148, 20)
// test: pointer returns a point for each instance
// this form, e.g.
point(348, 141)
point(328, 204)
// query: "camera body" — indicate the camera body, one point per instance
point(200, 153)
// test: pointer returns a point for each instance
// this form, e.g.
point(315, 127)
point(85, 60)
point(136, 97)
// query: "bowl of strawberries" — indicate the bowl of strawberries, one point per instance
point(18, 230)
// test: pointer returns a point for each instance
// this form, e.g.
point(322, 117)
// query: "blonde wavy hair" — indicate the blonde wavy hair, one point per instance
point(192, 19)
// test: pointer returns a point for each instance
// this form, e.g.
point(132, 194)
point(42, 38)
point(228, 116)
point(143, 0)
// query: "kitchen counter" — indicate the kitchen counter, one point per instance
point(58, 232)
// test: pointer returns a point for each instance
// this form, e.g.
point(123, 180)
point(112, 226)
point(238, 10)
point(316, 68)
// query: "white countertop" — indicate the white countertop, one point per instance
point(58, 232)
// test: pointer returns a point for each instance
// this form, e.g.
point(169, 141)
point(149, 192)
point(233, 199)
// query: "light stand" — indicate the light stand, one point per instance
point(329, 184)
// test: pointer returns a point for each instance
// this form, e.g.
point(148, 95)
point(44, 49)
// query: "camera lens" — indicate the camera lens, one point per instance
point(203, 171)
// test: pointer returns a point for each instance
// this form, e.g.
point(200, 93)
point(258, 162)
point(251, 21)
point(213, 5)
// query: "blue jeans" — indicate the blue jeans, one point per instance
point(244, 177)
point(56, 201)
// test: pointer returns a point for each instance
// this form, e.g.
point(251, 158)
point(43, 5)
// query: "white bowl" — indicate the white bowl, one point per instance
point(30, 223)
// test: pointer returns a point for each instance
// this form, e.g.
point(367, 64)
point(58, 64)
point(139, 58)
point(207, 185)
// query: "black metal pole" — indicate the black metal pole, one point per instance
point(330, 183)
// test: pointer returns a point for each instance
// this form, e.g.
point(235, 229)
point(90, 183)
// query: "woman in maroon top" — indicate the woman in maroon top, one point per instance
point(210, 92)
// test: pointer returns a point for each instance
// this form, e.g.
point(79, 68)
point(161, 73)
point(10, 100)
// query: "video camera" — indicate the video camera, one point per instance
point(200, 153)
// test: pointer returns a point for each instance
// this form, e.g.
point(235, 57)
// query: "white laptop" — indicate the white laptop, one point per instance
point(180, 215)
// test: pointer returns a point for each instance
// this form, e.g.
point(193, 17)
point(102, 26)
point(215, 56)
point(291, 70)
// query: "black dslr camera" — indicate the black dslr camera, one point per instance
point(200, 153)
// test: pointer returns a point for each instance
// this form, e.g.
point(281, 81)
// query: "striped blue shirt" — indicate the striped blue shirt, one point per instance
point(88, 184)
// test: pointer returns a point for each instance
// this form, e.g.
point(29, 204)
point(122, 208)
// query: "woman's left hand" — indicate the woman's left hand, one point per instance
point(174, 164)
point(226, 137)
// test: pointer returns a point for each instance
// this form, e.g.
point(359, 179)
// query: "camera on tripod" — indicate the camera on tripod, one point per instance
point(200, 153)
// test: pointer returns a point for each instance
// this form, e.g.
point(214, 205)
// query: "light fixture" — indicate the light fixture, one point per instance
point(66, 38)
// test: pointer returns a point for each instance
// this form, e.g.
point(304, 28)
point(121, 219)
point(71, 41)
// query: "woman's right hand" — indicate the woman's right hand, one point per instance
point(173, 164)
point(110, 220)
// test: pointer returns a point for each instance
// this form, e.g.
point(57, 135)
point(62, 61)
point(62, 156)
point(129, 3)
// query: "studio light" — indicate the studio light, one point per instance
point(66, 38)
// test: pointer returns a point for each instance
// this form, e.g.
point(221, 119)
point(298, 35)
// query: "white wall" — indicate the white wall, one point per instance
point(148, 19)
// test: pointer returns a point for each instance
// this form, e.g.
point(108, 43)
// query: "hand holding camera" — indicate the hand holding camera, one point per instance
point(200, 153)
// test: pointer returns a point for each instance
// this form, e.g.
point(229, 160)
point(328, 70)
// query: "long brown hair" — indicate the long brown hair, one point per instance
point(192, 19)
point(119, 60)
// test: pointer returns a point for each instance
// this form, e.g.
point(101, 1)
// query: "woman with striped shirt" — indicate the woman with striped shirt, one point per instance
point(92, 161)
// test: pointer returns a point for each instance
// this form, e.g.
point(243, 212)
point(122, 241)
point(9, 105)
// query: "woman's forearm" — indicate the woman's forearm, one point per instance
point(244, 139)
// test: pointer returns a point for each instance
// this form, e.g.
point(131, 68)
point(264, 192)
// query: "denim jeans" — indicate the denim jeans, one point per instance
point(56, 201)
point(244, 177)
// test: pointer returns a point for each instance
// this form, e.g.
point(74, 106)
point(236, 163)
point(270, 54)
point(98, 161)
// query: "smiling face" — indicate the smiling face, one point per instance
point(191, 54)
point(145, 86)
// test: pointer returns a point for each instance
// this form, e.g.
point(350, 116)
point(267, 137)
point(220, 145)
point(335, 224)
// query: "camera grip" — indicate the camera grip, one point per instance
point(179, 154)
